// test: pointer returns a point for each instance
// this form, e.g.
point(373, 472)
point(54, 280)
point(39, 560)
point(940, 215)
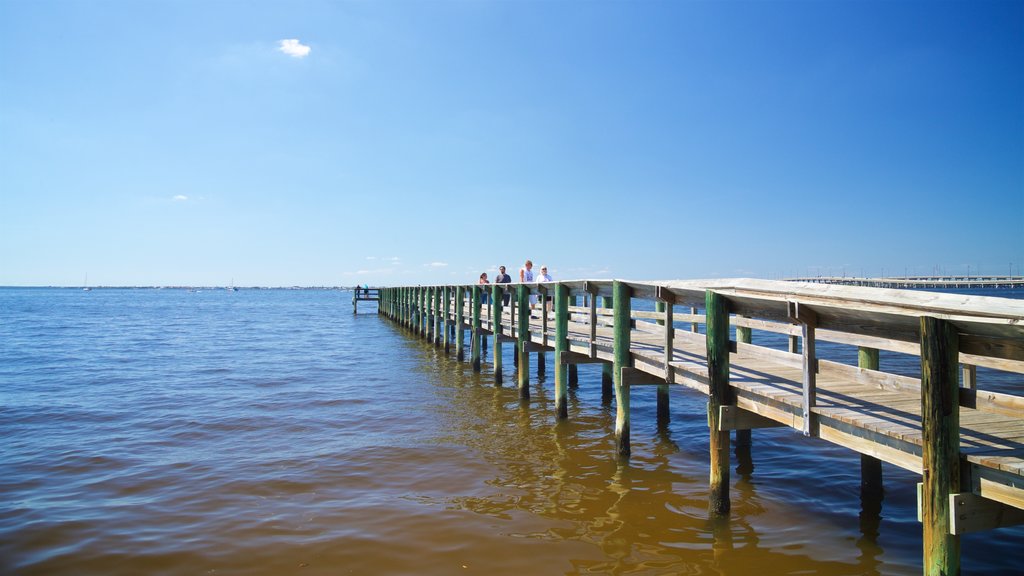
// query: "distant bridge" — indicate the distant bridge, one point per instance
point(920, 281)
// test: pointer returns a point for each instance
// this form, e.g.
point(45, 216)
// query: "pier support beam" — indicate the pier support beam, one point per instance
point(663, 402)
point(574, 378)
point(743, 437)
point(940, 421)
point(720, 394)
point(460, 323)
point(607, 370)
point(474, 342)
point(870, 467)
point(446, 297)
point(431, 314)
point(496, 312)
point(621, 325)
point(522, 338)
point(561, 347)
point(437, 316)
point(423, 311)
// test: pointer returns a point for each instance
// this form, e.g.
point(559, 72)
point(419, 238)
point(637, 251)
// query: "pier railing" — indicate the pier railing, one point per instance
point(365, 294)
point(751, 347)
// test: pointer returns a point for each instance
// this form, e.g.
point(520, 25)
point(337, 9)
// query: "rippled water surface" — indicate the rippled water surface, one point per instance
point(272, 431)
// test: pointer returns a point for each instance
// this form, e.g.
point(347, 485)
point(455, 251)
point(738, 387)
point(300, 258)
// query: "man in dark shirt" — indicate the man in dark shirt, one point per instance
point(503, 278)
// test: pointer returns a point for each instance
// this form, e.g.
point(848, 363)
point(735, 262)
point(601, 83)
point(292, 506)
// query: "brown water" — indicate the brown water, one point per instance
point(270, 432)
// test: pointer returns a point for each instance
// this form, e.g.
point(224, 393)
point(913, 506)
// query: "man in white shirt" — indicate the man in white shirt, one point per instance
point(545, 277)
point(526, 275)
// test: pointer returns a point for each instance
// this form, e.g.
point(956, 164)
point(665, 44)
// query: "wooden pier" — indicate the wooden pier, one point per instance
point(365, 294)
point(965, 441)
point(920, 282)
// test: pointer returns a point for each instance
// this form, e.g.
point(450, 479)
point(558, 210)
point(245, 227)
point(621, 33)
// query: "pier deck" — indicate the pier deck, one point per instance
point(966, 441)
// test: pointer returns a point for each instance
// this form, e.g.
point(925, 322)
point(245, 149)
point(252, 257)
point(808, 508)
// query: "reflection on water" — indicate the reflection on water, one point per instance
point(273, 432)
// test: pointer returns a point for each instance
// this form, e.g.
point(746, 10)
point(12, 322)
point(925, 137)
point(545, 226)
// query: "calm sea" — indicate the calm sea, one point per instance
point(274, 432)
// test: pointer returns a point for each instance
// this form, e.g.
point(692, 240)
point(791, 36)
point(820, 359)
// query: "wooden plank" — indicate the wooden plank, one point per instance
point(632, 376)
point(736, 418)
point(998, 485)
point(972, 513)
point(992, 402)
point(872, 448)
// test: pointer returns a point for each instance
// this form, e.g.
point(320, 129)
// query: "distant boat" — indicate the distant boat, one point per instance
point(85, 285)
point(232, 288)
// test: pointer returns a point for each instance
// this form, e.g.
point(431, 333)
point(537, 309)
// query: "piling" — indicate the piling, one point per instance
point(871, 488)
point(460, 323)
point(663, 413)
point(719, 394)
point(621, 325)
point(607, 370)
point(496, 315)
point(474, 338)
point(423, 312)
point(436, 339)
point(446, 315)
point(561, 347)
point(940, 421)
point(522, 340)
point(743, 437)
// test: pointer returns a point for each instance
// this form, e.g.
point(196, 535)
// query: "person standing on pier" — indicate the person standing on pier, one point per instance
point(526, 276)
point(504, 278)
point(545, 277)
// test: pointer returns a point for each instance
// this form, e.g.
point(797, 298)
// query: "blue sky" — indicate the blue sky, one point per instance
point(181, 142)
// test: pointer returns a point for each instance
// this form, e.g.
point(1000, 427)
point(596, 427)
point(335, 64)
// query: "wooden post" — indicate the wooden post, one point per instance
point(409, 306)
point(405, 306)
point(970, 376)
point(940, 421)
point(574, 378)
point(446, 312)
point(808, 321)
point(720, 394)
point(460, 323)
point(423, 312)
point(431, 314)
point(607, 370)
point(663, 402)
point(870, 467)
point(621, 326)
point(437, 316)
point(541, 363)
point(743, 437)
point(561, 347)
point(474, 338)
point(513, 314)
point(523, 368)
point(496, 304)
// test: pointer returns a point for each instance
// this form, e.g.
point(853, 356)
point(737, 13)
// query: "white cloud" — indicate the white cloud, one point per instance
point(293, 48)
point(180, 198)
point(437, 264)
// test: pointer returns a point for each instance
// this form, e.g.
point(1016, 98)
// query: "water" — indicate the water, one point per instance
point(269, 432)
